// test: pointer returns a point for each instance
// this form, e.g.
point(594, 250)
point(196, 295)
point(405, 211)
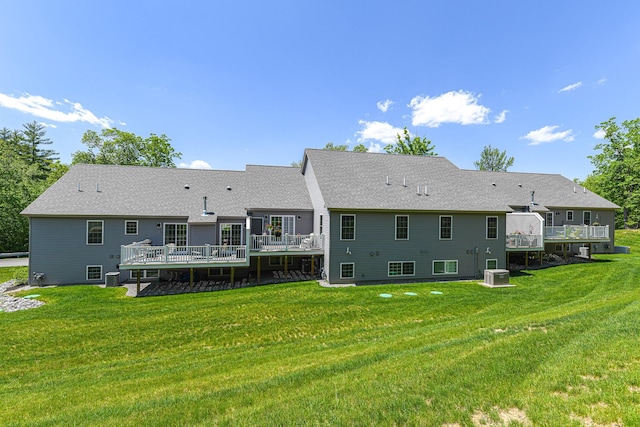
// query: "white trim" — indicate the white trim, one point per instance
point(402, 264)
point(547, 222)
point(125, 227)
point(353, 270)
point(87, 272)
point(101, 231)
point(440, 227)
point(445, 261)
point(487, 227)
point(396, 227)
point(145, 274)
point(354, 226)
point(486, 264)
point(164, 231)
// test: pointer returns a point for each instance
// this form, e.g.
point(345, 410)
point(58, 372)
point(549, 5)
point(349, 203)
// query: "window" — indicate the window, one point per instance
point(347, 270)
point(95, 232)
point(548, 219)
point(231, 234)
point(282, 224)
point(321, 224)
point(131, 227)
point(445, 267)
point(402, 227)
point(94, 272)
point(492, 264)
point(175, 234)
point(569, 215)
point(492, 227)
point(347, 227)
point(586, 217)
point(446, 227)
point(401, 268)
point(145, 274)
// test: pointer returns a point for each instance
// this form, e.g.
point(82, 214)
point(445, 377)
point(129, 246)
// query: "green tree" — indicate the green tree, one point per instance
point(415, 146)
point(34, 137)
point(492, 159)
point(617, 169)
point(332, 147)
point(360, 148)
point(116, 147)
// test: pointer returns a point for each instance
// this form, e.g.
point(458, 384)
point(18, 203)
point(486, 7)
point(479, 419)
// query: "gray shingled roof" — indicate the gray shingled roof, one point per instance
point(276, 187)
point(351, 180)
point(143, 192)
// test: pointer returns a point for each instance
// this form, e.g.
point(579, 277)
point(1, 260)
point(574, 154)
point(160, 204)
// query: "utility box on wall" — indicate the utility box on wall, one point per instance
point(496, 277)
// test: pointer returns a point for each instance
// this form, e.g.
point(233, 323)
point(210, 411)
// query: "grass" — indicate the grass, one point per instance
point(560, 349)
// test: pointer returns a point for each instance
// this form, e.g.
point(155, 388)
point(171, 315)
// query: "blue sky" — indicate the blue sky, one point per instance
point(255, 82)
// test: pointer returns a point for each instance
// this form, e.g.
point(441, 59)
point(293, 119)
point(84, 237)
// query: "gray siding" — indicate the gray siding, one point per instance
point(375, 246)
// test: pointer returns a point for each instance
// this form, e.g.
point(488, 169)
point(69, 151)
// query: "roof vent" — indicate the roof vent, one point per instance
point(404, 181)
point(388, 182)
point(228, 188)
point(186, 186)
point(493, 183)
point(574, 189)
point(425, 191)
point(97, 187)
point(418, 190)
point(520, 185)
point(79, 189)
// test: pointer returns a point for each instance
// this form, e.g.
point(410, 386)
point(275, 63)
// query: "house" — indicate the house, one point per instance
point(358, 217)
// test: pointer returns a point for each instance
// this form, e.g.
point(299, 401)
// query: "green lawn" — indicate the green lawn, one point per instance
point(560, 349)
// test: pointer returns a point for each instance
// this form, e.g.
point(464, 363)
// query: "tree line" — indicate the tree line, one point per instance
point(28, 167)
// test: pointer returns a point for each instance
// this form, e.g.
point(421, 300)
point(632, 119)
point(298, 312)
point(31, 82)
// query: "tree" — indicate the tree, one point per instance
point(332, 147)
point(492, 159)
point(33, 137)
point(116, 147)
point(617, 169)
point(360, 148)
point(415, 146)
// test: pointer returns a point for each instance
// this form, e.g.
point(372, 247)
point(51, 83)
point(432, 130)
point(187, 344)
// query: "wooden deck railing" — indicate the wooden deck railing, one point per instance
point(170, 254)
point(570, 232)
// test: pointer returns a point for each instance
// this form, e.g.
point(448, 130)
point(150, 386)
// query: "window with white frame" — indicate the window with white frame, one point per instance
point(131, 227)
point(94, 272)
point(569, 215)
point(401, 268)
point(175, 234)
point(548, 219)
point(95, 232)
point(491, 264)
point(446, 227)
point(402, 227)
point(347, 227)
point(445, 267)
point(492, 227)
point(347, 270)
point(586, 217)
point(145, 274)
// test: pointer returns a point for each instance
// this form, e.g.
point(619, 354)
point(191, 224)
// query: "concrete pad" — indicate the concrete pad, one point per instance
point(14, 262)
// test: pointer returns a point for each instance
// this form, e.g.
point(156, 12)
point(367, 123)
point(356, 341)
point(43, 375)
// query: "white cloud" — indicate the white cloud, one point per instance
point(378, 131)
point(44, 108)
point(602, 81)
point(48, 125)
point(600, 133)
point(570, 87)
point(384, 105)
point(501, 117)
point(196, 164)
point(548, 134)
point(451, 107)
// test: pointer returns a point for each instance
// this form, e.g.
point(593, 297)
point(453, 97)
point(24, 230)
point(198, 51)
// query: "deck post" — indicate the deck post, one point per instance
point(589, 251)
point(233, 276)
point(286, 264)
point(564, 251)
point(540, 258)
point(259, 265)
point(526, 260)
point(313, 265)
point(191, 277)
point(138, 282)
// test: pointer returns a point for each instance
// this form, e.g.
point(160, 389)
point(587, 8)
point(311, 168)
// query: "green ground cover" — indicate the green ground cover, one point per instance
point(560, 349)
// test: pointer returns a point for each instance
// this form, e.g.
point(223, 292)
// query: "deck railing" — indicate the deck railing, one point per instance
point(285, 243)
point(170, 254)
point(568, 232)
point(519, 240)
